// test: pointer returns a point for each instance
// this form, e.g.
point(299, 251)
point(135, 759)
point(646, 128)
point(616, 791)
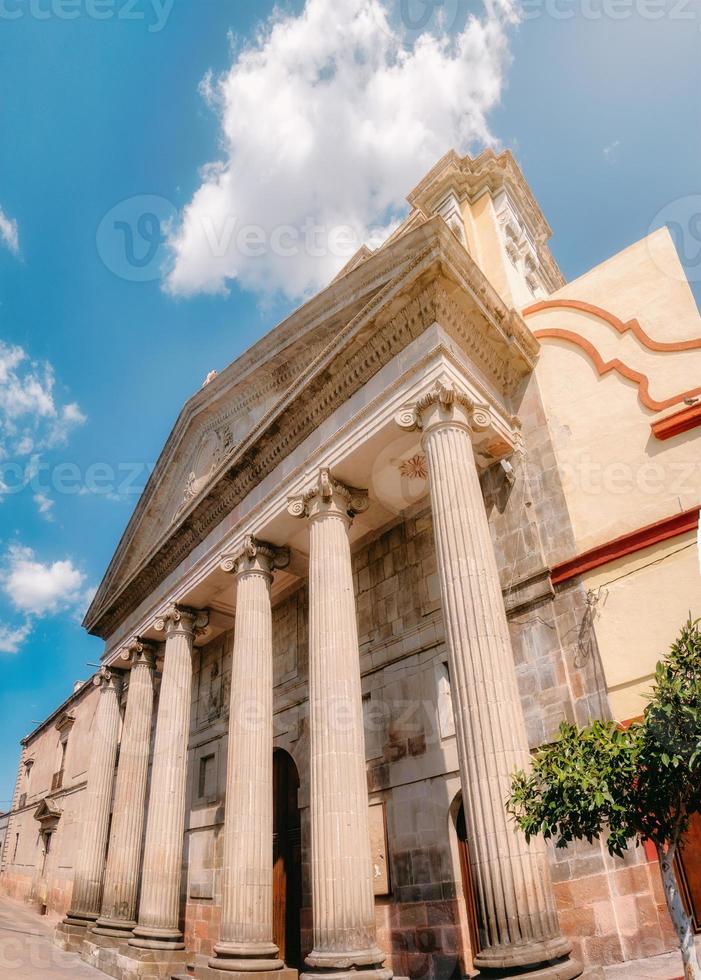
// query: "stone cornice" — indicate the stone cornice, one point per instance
point(441, 283)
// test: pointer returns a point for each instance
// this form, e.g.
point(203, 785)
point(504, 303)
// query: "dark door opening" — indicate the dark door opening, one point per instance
point(467, 884)
point(287, 859)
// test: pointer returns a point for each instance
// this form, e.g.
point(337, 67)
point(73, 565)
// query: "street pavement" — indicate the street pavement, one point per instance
point(27, 952)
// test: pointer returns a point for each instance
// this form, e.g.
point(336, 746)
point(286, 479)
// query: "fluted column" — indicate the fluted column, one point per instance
point(343, 904)
point(159, 911)
point(512, 879)
point(90, 864)
point(247, 895)
point(117, 917)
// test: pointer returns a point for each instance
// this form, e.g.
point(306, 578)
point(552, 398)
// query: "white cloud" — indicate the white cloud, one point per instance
point(44, 504)
point(31, 418)
point(327, 121)
point(12, 637)
point(611, 151)
point(39, 589)
point(9, 233)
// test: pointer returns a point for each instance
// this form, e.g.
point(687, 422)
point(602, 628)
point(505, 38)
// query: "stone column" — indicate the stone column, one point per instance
point(343, 904)
point(246, 943)
point(118, 915)
point(159, 912)
point(90, 864)
point(521, 934)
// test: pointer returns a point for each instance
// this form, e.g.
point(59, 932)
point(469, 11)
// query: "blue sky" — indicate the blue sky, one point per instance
point(108, 325)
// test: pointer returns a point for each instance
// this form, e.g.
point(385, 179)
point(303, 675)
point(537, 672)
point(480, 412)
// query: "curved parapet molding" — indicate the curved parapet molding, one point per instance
point(631, 326)
point(619, 367)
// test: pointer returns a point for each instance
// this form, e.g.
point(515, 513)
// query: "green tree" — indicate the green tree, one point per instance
point(637, 784)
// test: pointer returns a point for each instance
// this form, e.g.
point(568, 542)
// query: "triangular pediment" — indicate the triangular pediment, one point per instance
point(219, 418)
point(241, 425)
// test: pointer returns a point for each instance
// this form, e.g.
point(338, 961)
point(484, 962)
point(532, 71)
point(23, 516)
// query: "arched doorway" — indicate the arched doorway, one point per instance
point(467, 882)
point(287, 858)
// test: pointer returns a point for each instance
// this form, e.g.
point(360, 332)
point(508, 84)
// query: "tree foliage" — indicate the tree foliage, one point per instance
point(637, 783)
point(640, 782)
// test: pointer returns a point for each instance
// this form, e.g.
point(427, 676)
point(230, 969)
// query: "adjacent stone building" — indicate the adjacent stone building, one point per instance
point(382, 556)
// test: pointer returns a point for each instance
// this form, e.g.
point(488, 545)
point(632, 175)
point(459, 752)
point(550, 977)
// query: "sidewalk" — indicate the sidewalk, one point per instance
point(27, 952)
point(666, 967)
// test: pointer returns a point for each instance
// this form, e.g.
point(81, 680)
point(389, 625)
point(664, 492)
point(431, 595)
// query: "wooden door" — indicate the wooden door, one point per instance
point(287, 859)
point(467, 885)
point(690, 867)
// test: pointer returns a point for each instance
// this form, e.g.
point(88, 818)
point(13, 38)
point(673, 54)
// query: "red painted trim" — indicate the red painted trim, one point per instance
point(632, 325)
point(674, 425)
point(627, 544)
point(603, 367)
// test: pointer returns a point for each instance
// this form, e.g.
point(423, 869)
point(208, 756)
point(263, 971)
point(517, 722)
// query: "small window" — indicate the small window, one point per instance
point(207, 787)
point(14, 856)
point(444, 701)
point(373, 724)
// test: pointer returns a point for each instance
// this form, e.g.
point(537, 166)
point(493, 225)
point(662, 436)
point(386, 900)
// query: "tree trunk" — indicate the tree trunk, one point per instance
point(680, 920)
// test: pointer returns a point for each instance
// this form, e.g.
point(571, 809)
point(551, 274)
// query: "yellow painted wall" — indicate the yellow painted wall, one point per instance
point(616, 476)
point(641, 602)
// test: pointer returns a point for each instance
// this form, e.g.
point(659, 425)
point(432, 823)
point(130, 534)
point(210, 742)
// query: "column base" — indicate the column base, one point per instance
point(360, 964)
point(529, 961)
point(80, 919)
point(246, 958)
point(168, 940)
point(210, 973)
point(114, 928)
point(349, 973)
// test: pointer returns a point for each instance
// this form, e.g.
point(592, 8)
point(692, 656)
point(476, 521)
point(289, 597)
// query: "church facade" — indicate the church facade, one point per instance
point(447, 504)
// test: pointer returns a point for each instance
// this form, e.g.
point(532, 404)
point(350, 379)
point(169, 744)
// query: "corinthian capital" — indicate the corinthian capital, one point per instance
point(108, 679)
point(443, 402)
point(255, 555)
point(182, 619)
point(139, 651)
point(326, 493)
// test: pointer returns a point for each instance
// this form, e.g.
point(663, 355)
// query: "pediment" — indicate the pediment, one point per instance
point(216, 421)
point(238, 429)
point(65, 722)
point(47, 811)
